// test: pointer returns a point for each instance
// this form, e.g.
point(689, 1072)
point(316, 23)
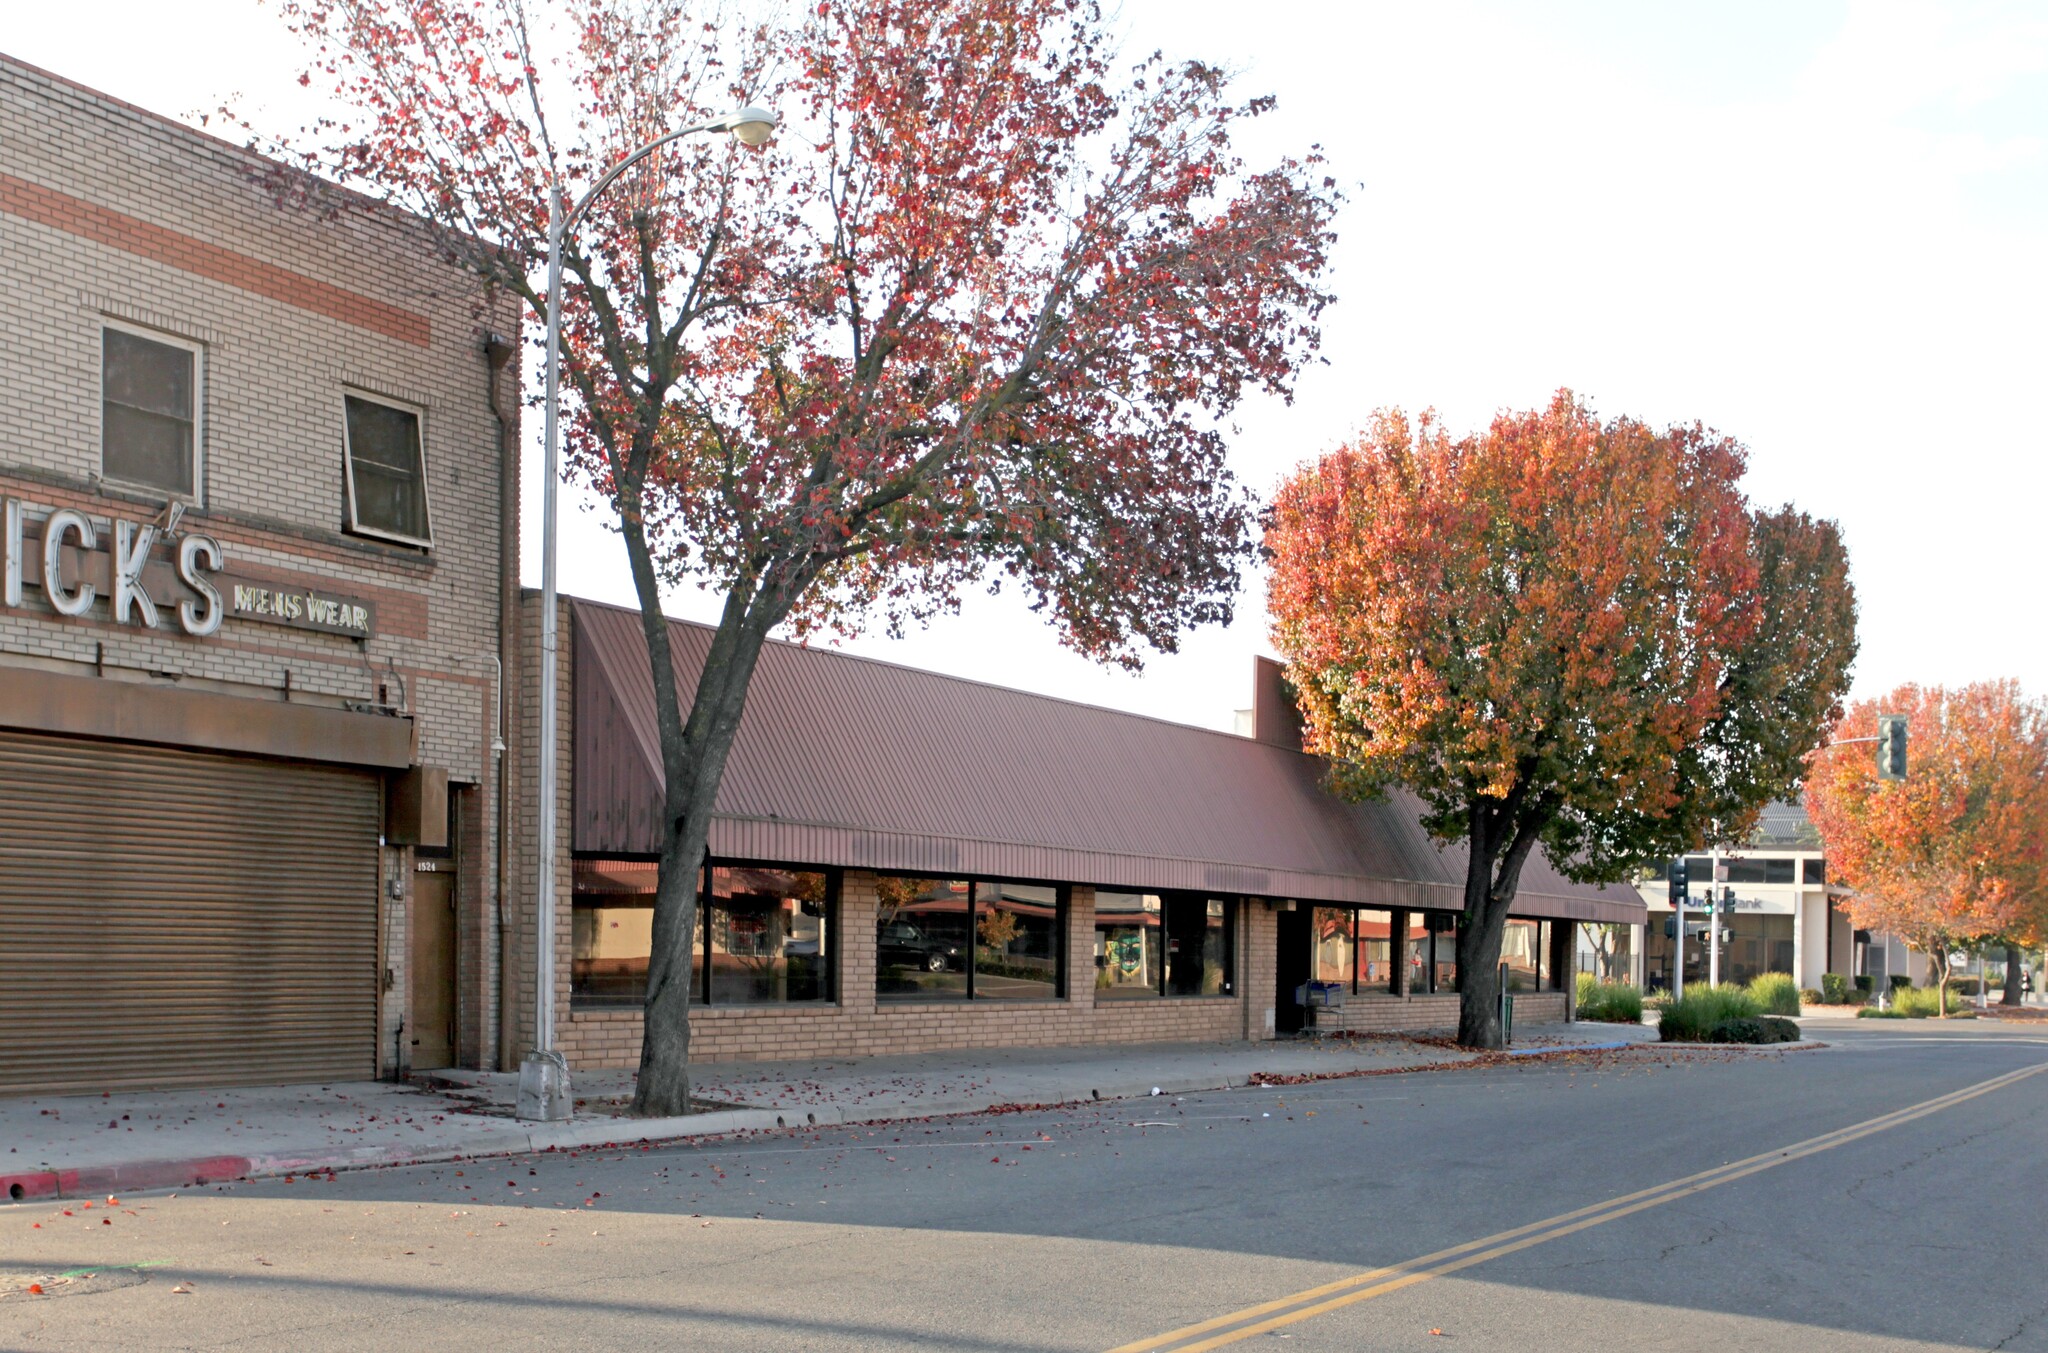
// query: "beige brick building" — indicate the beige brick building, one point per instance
point(257, 545)
point(903, 861)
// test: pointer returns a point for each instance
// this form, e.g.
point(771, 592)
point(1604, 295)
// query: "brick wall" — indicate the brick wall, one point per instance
point(1414, 1014)
point(858, 1025)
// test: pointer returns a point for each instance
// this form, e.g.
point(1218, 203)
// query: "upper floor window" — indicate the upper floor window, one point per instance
point(386, 470)
point(149, 412)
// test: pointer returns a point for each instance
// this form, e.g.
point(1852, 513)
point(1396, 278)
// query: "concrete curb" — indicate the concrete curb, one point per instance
point(193, 1171)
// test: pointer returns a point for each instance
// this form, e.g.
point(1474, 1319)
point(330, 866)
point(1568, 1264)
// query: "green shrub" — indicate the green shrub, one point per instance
point(1609, 1002)
point(1901, 982)
point(1775, 993)
point(1834, 989)
point(1693, 1019)
point(1863, 984)
point(1757, 1029)
point(1810, 996)
point(1872, 1012)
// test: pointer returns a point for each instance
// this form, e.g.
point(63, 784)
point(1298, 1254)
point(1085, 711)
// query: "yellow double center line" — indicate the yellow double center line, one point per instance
point(1272, 1315)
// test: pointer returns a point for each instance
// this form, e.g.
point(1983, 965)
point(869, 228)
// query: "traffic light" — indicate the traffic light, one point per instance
point(1726, 905)
point(1891, 746)
point(1678, 884)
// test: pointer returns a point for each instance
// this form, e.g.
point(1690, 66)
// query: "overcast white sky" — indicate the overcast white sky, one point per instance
point(1819, 227)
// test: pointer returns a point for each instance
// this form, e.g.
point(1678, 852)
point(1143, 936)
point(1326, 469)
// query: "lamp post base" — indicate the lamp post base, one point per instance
point(544, 1089)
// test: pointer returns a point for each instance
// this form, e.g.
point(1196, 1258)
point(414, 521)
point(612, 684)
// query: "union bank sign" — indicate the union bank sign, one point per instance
point(151, 578)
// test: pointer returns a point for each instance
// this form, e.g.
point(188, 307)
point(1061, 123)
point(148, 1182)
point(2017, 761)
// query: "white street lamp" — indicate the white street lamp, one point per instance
point(544, 1075)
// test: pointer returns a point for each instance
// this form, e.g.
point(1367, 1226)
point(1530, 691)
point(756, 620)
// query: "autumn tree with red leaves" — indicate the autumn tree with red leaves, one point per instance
point(979, 311)
point(1955, 856)
point(1560, 633)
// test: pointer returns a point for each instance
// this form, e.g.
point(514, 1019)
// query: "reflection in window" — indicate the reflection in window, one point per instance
point(921, 938)
point(1149, 945)
point(1432, 951)
point(1199, 945)
point(770, 937)
point(1333, 940)
point(1375, 969)
point(1519, 944)
point(956, 939)
point(1017, 941)
point(763, 935)
point(1129, 945)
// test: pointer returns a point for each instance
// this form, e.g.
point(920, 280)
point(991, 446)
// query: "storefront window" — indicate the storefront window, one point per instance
point(956, 939)
point(1375, 969)
point(763, 935)
point(921, 938)
point(1199, 933)
point(1520, 943)
point(1334, 942)
point(1017, 941)
point(1130, 943)
point(1443, 958)
point(770, 937)
point(1149, 946)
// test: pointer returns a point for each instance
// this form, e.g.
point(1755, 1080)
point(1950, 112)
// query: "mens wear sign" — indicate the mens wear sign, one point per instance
point(153, 579)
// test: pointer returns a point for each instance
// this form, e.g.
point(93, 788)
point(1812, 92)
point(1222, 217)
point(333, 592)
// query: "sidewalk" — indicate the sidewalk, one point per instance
point(84, 1146)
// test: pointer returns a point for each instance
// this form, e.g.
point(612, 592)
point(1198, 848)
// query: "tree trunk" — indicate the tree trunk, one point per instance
point(695, 764)
point(1479, 970)
point(663, 1087)
point(2012, 994)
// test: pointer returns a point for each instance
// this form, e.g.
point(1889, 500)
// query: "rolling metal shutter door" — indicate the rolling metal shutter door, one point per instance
point(177, 918)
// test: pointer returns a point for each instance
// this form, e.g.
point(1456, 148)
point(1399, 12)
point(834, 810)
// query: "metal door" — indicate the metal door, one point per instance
point(430, 964)
point(178, 918)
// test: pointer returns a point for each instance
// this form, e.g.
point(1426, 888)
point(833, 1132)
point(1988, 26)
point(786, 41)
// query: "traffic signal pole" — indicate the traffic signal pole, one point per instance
point(1714, 920)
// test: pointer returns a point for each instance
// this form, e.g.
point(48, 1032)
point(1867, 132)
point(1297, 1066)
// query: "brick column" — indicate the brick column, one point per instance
point(856, 942)
point(1255, 972)
point(1081, 946)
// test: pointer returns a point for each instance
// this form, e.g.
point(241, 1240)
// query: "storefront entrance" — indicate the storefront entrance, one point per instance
point(175, 918)
point(1290, 965)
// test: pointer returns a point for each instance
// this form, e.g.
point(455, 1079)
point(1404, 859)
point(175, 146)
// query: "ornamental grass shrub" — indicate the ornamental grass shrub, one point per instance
point(1919, 1003)
point(1693, 1018)
point(1775, 993)
point(1609, 1002)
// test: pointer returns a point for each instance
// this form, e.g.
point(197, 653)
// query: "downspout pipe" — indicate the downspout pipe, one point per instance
point(499, 353)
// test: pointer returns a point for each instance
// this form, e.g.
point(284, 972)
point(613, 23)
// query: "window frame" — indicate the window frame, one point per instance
point(834, 943)
point(197, 497)
point(1233, 905)
point(1063, 910)
point(354, 524)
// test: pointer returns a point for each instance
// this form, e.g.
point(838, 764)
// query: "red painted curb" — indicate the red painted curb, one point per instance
point(142, 1174)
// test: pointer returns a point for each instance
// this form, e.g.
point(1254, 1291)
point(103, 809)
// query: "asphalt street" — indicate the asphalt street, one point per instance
point(1888, 1192)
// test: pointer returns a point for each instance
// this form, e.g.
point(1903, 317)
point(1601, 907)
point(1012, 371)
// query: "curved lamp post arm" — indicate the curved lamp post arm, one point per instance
point(544, 1075)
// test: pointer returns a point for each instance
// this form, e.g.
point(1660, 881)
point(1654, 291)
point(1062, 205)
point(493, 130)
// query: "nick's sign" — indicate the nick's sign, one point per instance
point(77, 561)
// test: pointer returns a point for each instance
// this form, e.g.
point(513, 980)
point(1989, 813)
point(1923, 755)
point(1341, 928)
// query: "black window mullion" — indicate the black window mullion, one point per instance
point(1165, 940)
point(973, 932)
point(704, 919)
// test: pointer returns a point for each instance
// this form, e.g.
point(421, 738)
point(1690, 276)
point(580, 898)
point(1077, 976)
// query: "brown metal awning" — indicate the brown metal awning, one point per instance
point(847, 761)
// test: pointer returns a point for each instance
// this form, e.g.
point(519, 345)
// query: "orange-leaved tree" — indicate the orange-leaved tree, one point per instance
point(1561, 632)
point(978, 313)
point(1955, 856)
